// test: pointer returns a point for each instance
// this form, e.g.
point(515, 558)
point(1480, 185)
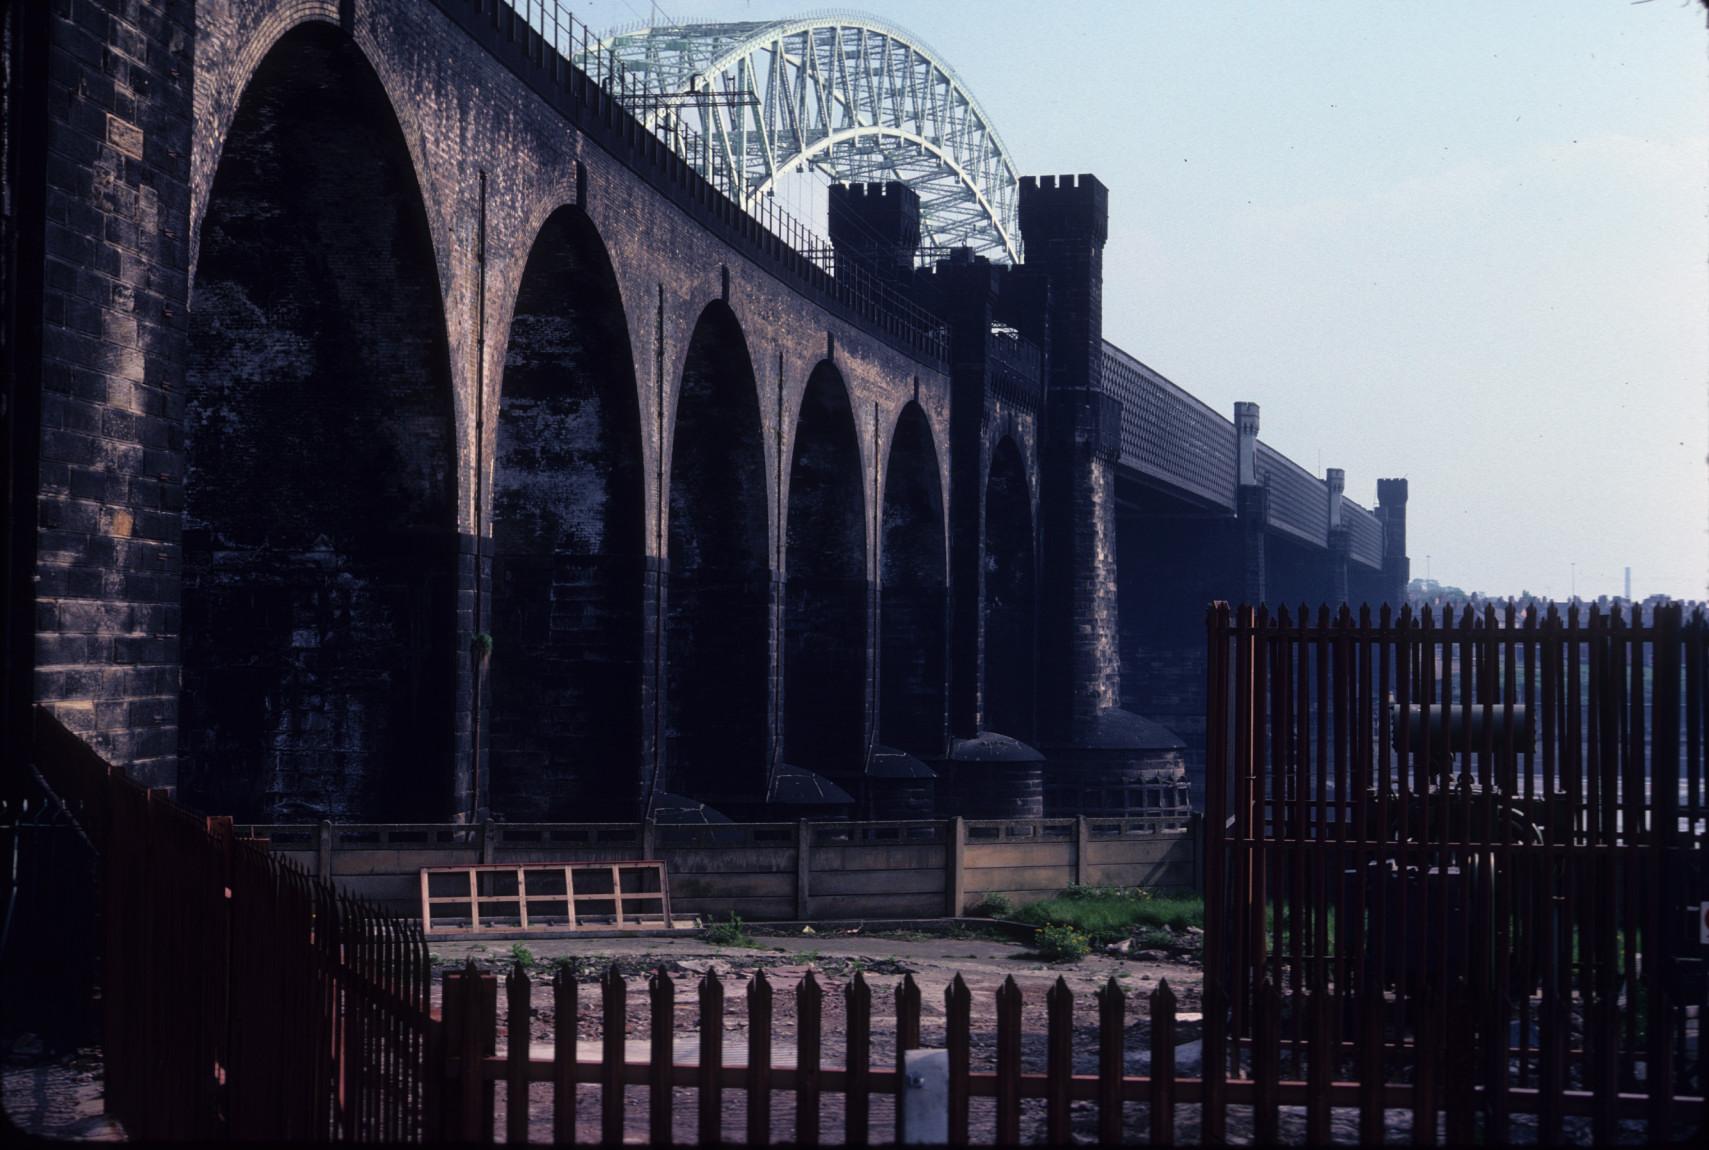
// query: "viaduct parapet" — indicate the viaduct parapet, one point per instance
point(398, 430)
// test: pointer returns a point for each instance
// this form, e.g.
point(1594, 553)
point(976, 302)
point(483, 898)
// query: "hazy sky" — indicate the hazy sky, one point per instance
point(1464, 242)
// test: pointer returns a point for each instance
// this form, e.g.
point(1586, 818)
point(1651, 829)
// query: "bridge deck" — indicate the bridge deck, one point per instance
point(1175, 441)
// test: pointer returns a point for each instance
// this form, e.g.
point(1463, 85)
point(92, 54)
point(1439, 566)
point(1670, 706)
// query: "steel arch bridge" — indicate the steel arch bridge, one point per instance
point(844, 93)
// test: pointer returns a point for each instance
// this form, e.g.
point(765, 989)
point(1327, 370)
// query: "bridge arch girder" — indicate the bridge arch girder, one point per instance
point(854, 96)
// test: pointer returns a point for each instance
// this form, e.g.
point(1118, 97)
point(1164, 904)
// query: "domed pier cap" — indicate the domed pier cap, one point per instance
point(891, 763)
point(991, 747)
point(1119, 730)
point(679, 810)
point(793, 786)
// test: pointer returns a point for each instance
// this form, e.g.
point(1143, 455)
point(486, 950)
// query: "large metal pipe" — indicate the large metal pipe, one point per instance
point(1462, 727)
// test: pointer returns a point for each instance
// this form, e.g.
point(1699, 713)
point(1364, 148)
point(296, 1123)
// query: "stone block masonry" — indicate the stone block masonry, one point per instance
point(114, 286)
point(175, 143)
point(407, 433)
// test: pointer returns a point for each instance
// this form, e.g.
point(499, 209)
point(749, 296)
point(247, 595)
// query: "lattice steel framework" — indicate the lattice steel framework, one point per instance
point(854, 97)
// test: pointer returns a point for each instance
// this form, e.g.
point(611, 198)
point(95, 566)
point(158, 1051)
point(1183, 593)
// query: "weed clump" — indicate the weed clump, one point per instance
point(729, 933)
point(1107, 914)
point(1060, 944)
point(995, 906)
point(522, 956)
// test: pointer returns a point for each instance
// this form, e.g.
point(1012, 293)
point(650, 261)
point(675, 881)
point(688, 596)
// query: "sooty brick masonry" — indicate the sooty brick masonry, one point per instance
point(412, 228)
point(320, 543)
point(114, 285)
point(566, 669)
point(718, 705)
point(305, 649)
point(826, 595)
point(914, 635)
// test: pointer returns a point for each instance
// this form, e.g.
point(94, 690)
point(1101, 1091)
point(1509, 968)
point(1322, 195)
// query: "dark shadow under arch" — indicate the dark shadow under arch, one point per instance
point(912, 578)
point(825, 599)
point(321, 556)
point(1010, 596)
point(718, 640)
point(568, 543)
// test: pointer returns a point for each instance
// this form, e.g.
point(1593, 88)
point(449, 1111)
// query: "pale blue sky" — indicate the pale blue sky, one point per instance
point(1459, 241)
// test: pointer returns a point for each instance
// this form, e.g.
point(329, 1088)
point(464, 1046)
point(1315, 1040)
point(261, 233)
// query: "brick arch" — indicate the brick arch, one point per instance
point(568, 527)
point(320, 643)
point(231, 74)
point(825, 596)
point(1009, 594)
point(718, 621)
point(913, 581)
point(227, 77)
point(507, 265)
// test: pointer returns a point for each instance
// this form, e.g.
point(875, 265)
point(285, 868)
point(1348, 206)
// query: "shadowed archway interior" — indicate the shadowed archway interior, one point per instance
point(718, 622)
point(1010, 596)
point(912, 576)
point(824, 661)
point(568, 533)
point(320, 544)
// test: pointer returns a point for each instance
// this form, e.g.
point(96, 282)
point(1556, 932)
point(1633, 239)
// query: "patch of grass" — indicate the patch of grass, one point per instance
point(521, 956)
point(1153, 937)
point(995, 906)
point(729, 933)
point(1060, 944)
point(1109, 914)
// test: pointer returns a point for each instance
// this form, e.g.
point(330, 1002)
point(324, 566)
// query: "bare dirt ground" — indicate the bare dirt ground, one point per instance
point(834, 955)
point(883, 958)
point(59, 1096)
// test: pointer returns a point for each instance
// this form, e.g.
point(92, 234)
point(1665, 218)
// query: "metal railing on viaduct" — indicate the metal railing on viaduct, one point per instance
point(1167, 435)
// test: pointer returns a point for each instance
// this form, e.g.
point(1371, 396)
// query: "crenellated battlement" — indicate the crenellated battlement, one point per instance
point(1391, 492)
point(1063, 207)
point(876, 222)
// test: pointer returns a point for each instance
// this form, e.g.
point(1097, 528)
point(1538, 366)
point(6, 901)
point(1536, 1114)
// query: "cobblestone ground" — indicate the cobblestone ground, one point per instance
point(56, 1096)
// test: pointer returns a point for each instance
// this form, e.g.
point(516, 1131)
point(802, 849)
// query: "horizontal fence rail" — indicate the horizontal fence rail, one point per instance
point(1183, 1097)
point(1481, 837)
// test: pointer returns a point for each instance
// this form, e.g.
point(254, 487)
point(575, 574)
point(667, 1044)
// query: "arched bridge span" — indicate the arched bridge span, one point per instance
point(855, 97)
point(638, 495)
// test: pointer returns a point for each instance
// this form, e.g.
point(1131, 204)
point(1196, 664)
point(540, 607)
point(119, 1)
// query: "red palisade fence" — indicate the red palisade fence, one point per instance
point(1453, 872)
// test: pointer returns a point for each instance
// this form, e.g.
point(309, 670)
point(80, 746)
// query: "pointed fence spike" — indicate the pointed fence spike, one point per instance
point(1008, 1062)
point(808, 1049)
point(1059, 1060)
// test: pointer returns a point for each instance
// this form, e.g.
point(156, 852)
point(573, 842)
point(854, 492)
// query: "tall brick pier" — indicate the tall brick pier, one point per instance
point(398, 429)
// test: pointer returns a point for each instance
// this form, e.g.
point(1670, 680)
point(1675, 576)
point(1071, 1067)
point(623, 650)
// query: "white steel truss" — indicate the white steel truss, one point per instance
point(852, 96)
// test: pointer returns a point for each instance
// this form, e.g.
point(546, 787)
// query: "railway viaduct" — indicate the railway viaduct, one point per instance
point(399, 429)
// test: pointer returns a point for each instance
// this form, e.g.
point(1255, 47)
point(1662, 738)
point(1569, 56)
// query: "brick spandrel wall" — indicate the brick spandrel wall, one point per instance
point(115, 291)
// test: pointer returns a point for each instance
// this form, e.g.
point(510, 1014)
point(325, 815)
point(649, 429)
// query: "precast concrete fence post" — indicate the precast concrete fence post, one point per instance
point(323, 849)
point(955, 870)
point(803, 869)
